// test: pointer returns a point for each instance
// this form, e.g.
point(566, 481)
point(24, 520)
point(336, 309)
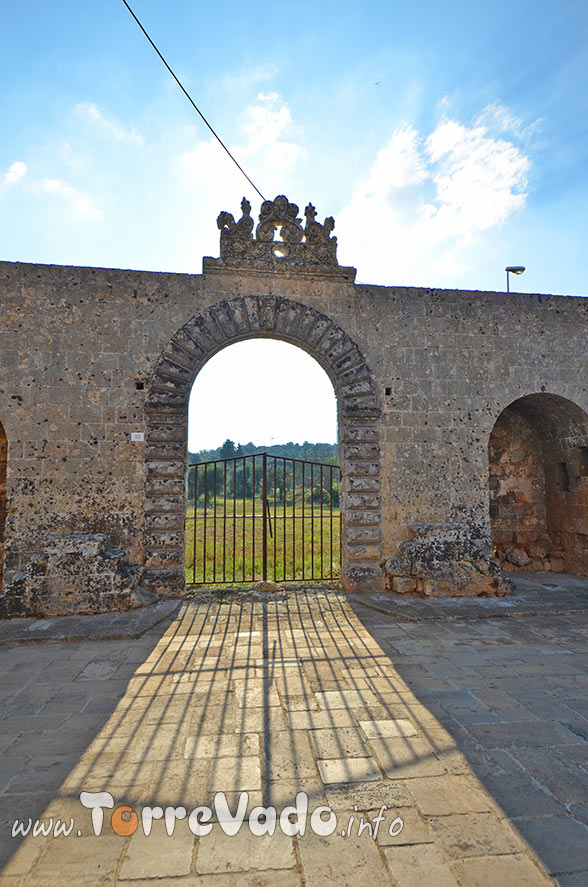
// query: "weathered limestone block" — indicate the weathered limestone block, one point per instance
point(360, 451)
point(368, 500)
point(164, 521)
point(240, 316)
point(367, 484)
point(399, 565)
point(404, 585)
point(165, 581)
point(362, 576)
point(447, 559)
point(166, 432)
point(537, 551)
point(76, 573)
point(517, 556)
point(224, 321)
point(356, 535)
point(165, 468)
point(348, 363)
point(333, 343)
point(164, 557)
point(362, 518)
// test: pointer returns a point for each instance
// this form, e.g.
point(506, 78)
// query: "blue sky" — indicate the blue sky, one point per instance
point(447, 140)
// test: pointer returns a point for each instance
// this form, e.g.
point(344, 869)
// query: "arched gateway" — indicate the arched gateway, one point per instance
point(167, 424)
point(232, 320)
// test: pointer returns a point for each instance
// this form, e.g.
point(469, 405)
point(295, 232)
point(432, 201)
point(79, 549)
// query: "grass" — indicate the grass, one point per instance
point(300, 546)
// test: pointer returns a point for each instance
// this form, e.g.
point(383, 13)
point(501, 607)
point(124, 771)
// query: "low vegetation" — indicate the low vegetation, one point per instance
point(226, 516)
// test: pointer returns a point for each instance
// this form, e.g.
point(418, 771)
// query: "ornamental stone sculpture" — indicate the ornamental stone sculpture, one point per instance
point(298, 246)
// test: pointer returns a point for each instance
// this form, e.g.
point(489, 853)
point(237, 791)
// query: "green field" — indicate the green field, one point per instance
point(228, 544)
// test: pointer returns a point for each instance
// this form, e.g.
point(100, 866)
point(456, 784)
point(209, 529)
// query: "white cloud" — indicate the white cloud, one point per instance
point(397, 165)
point(426, 198)
point(247, 77)
point(499, 118)
point(81, 204)
point(479, 180)
point(14, 173)
point(267, 148)
point(112, 128)
point(268, 151)
point(264, 122)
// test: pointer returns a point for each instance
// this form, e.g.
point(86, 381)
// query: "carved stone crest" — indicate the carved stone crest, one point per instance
point(296, 245)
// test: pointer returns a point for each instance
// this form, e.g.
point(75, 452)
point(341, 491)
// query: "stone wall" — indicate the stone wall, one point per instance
point(90, 356)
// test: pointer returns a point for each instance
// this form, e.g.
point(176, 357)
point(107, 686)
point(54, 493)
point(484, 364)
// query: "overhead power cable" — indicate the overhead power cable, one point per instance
point(189, 97)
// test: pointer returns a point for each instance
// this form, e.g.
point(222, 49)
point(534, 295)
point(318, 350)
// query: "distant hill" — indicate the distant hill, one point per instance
point(311, 452)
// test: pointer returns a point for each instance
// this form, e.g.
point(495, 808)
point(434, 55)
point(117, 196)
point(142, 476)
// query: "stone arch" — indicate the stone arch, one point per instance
point(538, 476)
point(358, 411)
point(3, 471)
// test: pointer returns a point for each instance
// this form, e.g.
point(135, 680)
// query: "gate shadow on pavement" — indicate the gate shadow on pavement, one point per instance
point(58, 700)
point(511, 694)
point(273, 695)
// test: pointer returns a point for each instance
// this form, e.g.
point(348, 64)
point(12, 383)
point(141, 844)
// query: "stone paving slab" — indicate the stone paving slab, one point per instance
point(100, 626)
point(535, 594)
point(446, 752)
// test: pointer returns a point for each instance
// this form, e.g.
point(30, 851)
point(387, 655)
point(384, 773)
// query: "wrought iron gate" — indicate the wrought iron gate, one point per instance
point(262, 517)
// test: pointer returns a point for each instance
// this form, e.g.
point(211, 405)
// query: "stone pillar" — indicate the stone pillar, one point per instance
point(360, 502)
point(165, 505)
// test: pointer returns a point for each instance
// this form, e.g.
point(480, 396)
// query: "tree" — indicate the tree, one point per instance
point(228, 450)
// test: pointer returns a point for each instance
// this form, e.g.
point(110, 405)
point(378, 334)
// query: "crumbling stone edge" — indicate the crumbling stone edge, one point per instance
point(77, 573)
point(446, 560)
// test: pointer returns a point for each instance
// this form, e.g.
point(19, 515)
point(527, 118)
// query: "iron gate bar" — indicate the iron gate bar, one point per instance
point(321, 524)
point(214, 519)
point(331, 516)
point(263, 520)
point(253, 518)
point(234, 514)
point(303, 469)
point(293, 520)
point(195, 525)
point(312, 518)
point(205, 509)
point(224, 519)
point(275, 520)
point(315, 551)
point(284, 508)
point(243, 521)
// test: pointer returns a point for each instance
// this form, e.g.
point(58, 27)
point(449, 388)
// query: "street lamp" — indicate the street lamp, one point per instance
point(512, 269)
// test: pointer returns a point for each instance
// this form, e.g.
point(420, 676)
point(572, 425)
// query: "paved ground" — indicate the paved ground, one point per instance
point(536, 594)
point(103, 626)
point(472, 731)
